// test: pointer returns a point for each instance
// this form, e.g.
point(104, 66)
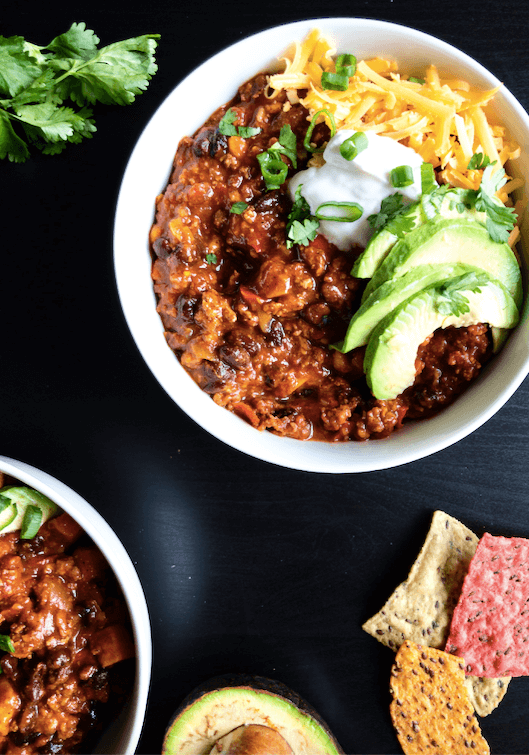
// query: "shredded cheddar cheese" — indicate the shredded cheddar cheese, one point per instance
point(442, 119)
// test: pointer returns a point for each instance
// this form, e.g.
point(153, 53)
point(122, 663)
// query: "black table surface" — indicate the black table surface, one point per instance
point(247, 567)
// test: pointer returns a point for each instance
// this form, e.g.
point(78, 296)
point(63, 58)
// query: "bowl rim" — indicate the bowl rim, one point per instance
point(409, 443)
point(114, 551)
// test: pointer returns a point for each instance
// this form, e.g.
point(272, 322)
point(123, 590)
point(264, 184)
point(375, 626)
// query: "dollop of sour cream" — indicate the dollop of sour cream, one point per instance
point(364, 180)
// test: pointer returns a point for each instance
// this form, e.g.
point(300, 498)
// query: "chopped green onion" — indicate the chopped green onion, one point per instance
point(401, 176)
point(351, 211)
point(31, 522)
point(416, 80)
point(238, 208)
point(6, 643)
point(306, 141)
point(273, 168)
point(346, 64)
point(338, 82)
point(428, 182)
point(352, 146)
point(211, 258)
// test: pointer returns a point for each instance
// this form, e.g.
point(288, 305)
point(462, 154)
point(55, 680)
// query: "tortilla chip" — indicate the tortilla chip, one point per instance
point(421, 608)
point(486, 694)
point(490, 626)
point(430, 709)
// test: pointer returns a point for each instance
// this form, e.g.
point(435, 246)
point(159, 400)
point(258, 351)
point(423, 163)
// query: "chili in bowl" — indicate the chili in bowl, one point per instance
point(74, 628)
point(254, 299)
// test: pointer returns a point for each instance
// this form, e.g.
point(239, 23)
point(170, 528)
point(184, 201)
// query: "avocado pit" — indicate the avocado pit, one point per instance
point(252, 739)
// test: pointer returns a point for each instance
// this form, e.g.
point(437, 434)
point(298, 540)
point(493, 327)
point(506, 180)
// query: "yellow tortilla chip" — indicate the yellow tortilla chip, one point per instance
point(430, 709)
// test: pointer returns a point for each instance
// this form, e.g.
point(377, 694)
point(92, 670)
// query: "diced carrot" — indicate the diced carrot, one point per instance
point(112, 644)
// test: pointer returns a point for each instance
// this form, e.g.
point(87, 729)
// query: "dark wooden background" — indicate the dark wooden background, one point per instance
point(247, 567)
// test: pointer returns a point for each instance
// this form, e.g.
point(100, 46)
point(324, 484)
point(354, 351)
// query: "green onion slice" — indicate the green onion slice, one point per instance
point(352, 146)
point(349, 211)
point(306, 140)
point(346, 64)
point(416, 80)
point(428, 182)
point(31, 522)
point(6, 643)
point(338, 82)
point(273, 168)
point(401, 176)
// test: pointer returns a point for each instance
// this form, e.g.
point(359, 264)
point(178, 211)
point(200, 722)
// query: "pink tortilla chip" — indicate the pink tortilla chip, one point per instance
point(490, 625)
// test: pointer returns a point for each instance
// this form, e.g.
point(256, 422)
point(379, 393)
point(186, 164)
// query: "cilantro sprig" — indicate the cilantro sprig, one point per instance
point(449, 297)
point(302, 227)
point(393, 215)
point(36, 82)
point(500, 219)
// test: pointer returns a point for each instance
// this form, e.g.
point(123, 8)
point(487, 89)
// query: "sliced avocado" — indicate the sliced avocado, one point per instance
point(387, 296)
point(381, 242)
point(451, 241)
point(22, 498)
point(389, 361)
point(225, 704)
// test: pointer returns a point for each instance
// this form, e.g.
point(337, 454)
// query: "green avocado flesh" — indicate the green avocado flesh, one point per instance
point(208, 717)
point(390, 294)
point(14, 502)
point(382, 242)
point(449, 241)
point(389, 361)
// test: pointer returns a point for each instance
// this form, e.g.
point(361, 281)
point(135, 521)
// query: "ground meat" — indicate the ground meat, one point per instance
point(63, 611)
point(253, 321)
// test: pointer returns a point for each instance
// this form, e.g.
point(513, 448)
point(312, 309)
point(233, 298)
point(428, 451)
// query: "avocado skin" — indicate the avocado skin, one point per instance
point(254, 684)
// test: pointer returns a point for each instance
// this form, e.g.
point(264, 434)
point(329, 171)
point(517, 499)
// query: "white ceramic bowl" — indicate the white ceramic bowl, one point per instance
point(185, 109)
point(121, 737)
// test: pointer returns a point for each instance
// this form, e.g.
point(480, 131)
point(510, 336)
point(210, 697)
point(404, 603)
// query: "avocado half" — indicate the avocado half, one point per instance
point(225, 703)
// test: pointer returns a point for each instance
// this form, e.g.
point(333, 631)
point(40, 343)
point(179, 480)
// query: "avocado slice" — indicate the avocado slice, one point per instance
point(225, 704)
point(391, 293)
point(19, 499)
point(451, 241)
point(389, 361)
point(381, 243)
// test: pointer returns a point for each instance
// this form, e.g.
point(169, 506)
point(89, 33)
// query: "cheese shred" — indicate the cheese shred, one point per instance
point(442, 119)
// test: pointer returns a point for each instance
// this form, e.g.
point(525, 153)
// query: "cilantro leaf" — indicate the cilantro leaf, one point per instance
point(113, 76)
point(449, 297)
point(11, 145)
point(226, 126)
point(302, 232)
point(238, 208)
point(479, 161)
point(78, 42)
point(286, 145)
point(211, 258)
point(390, 208)
point(17, 68)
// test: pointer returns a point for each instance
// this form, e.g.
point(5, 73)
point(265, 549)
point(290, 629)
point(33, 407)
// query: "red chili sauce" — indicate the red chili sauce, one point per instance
point(73, 662)
point(252, 321)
